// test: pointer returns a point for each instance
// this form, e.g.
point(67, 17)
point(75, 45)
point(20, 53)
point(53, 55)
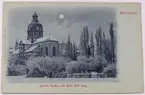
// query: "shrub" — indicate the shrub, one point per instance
point(18, 59)
point(43, 66)
point(96, 63)
point(91, 64)
point(100, 63)
point(110, 71)
point(82, 58)
point(60, 75)
point(83, 65)
point(16, 70)
point(72, 67)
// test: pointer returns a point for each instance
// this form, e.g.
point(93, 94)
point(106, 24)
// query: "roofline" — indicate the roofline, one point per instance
point(45, 41)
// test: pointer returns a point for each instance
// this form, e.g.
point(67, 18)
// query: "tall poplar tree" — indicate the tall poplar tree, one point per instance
point(92, 45)
point(84, 41)
point(98, 37)
point(112, 36)
point(68, 47)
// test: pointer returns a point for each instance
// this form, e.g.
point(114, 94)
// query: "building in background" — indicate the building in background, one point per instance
point(36, 44)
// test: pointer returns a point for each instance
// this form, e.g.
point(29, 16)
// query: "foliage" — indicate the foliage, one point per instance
point(83, 65)
point(110, 71)
point(92, 45)
point(68, 47)
point(98, 37)
point(71, 49)
point(72, 67)
point(84, 41)
point(16, 70)
point(60, 75)
point(45, 65)
point(18, 59)
point(74, 52)
point(100, 63)
point(113, 42)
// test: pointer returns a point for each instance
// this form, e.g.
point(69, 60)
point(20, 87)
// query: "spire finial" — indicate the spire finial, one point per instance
point(35, 14)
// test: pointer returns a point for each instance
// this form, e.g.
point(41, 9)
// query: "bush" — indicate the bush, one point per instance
point(43, 66)
point(60, 75)
point(110, 71)
point(83, 65)
point(91, 64)
point(97, 64)
point(16, 70)
point(100, 63)
point(72, 67)
point(82, 58)
point(18, 59)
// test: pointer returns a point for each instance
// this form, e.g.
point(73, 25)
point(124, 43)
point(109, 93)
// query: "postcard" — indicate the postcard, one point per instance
point(72, 47)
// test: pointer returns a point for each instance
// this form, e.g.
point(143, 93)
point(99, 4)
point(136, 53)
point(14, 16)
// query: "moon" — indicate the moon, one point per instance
point(61, 16)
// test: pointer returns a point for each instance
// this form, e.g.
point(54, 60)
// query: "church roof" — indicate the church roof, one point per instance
point(26, 41)
point(15, 51)
point(31, 48)
point(47, 38)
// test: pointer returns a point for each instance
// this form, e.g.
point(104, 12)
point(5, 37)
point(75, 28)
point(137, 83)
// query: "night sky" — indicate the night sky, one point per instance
point(59, 21)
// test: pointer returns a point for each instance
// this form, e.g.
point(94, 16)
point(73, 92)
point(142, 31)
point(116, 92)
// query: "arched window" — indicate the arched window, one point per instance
point(54, 51)
point(46, 51)
point(39, 34)
point(34, 34)
point(28, 34)
point(41, 52)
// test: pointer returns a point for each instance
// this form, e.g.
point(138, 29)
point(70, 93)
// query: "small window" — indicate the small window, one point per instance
point(46, 51)
point(40, 34)
point(21, 48)
point(41, 52)
point(53, 51)
point(34, 33)
point(37, 34)
point(37, 28)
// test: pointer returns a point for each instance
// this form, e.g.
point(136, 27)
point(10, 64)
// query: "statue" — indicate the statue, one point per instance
point(89, 51)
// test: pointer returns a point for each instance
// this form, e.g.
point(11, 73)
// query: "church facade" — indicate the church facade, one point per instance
point(36, 44)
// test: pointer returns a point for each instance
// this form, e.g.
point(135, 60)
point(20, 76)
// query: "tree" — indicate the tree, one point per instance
point(112, 36)
point(98, 37)
point(84, 41)
point(18, 59)
point(68, 47)
point(16, 45)
point(71, 50)
point(103, 43)
point(74, 52)
point(107, 50)
point(92, 45)
point(81, 47)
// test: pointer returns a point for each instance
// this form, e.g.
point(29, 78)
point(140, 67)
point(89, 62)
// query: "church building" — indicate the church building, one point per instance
point(36, 44)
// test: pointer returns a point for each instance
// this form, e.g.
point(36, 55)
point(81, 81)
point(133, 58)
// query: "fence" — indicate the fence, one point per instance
point(85, 75)
point(77, 75)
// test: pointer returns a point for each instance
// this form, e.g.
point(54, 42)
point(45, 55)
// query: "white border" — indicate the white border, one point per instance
point(143, 19)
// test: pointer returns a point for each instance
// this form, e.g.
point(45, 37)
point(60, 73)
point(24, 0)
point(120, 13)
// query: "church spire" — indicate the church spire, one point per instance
point(16, 44)
point(35, 17)
point(35, 29)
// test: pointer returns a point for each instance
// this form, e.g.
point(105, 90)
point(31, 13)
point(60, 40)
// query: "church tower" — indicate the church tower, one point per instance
point(35, 29)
